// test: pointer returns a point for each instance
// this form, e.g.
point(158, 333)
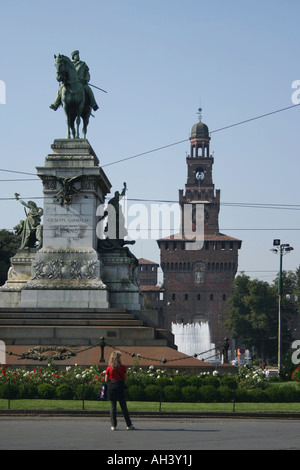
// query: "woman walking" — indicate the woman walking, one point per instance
point(115, 377)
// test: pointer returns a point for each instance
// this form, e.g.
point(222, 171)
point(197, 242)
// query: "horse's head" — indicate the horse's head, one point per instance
point(64, 66)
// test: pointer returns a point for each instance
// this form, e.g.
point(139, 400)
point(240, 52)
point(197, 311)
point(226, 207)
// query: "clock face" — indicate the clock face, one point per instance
point(199, 175)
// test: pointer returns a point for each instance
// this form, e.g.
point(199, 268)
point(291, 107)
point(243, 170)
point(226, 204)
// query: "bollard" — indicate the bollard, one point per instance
point(102, 346)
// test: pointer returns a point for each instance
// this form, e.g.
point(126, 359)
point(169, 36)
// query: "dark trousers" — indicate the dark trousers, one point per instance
point(116, 393)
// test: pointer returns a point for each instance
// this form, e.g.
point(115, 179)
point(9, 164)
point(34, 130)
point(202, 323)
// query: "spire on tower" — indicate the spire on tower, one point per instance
point(199, 114)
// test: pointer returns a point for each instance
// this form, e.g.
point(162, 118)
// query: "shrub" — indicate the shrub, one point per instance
point(274, 394)
point(225, 393)
point(28, 390)
point(189, 393)
point(131, 380)
point(249, 377)
point(164, 380)
point(180, 381)
point(46, 391)
point(275, 378)
point(135, 393)
point(241, 395)
point(208, 393)
point(296, 374)
point(229, 381)
point(87, 392)
point(152, 392)
point(289, 394)
point(212, 381)
point(8, 390)
point(64, 392)
point(172, 393)
point(195, 380)
point(256, 395)
point(286, 394)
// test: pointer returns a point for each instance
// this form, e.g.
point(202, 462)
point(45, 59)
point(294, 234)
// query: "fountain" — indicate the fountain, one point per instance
point(193, 338)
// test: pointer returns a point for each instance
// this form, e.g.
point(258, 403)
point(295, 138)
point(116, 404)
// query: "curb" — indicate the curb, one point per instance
point(150, 415)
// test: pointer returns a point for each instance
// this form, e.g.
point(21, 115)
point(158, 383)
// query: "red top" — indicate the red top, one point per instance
point(113, 374)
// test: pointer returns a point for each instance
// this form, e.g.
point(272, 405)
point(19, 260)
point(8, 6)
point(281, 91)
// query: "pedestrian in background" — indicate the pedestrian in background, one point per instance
point(115, 377)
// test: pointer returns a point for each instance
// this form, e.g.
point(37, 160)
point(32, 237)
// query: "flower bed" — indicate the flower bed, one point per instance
point(76, 383)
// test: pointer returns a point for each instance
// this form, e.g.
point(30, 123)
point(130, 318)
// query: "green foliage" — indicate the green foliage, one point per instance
point(296, 374)
point(208, 393)
point(9, 244)
point(287, 367)
point(253, 314)
point(229, 381)
point(152, 392)
point(225, 394)
point(9, 390)
point(27, 390)
point(86, 391)
point(135, 393)
point(241, 395)
point(179, 380)
point(190, 393)
point(256, 395)
point(172, 393)
point(251, 377)
point(196, 380)
point(250, 385)
point(46, 391)
point(212, 380)
point(64, 392)
point(287, 394)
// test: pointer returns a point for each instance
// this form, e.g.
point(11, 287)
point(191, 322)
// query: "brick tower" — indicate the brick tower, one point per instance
point(198, 282)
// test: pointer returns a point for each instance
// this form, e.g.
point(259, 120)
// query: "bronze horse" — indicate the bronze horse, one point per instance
point(73, 96)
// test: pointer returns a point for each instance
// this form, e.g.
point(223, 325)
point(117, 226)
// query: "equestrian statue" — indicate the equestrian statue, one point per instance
point(74, 93)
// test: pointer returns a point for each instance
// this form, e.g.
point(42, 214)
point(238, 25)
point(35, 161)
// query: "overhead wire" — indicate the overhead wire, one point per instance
point(180, 141)
point(211, 132)
point(235, 204)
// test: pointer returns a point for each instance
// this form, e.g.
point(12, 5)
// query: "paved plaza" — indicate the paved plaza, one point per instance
point(93, 433)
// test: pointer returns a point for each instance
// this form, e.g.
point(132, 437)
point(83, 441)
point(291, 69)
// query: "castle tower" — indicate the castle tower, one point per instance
point(198, 282)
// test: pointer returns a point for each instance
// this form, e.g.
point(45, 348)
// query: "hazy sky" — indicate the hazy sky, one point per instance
point(160, 60)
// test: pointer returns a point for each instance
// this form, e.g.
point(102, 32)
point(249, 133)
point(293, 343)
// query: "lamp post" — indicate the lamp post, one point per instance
point(281, 249)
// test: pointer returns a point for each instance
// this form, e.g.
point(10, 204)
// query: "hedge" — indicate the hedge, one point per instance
point(250, 385)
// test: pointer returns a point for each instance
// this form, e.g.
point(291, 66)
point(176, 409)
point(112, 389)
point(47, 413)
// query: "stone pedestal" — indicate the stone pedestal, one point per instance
point(76, 288)
point(18, 275)
point(66, 271)
point(20, 270)
point(119, 274)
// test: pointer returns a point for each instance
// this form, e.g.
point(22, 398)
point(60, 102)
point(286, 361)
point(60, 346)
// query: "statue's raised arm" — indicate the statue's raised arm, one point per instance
point(30, 229)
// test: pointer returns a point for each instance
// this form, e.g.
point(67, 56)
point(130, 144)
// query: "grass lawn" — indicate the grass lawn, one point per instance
point(77, 405)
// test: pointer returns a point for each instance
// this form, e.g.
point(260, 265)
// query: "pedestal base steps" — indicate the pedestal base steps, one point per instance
point(79, 327)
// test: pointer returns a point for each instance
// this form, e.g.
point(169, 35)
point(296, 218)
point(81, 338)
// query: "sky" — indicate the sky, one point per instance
point(159, 61)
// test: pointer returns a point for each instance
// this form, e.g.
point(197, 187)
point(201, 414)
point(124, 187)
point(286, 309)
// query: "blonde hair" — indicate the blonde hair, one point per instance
point(115, 359)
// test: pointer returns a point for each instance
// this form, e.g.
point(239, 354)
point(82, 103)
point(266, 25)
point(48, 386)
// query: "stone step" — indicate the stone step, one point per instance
point(63, 310)
point(77, 335)
point(42, 321)
point(66, 316)
point(78, 327)
point(57, 311)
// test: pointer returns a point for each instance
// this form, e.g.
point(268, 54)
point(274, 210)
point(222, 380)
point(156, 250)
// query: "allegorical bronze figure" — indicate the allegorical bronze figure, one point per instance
point(30, 229)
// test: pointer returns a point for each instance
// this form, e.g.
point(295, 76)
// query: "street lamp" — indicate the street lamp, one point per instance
point(281, 249)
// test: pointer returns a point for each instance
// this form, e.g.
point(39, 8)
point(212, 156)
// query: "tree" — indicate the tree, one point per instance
point(9, 244)
point(296, 290)
point(253, 315)
point(238, 321)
